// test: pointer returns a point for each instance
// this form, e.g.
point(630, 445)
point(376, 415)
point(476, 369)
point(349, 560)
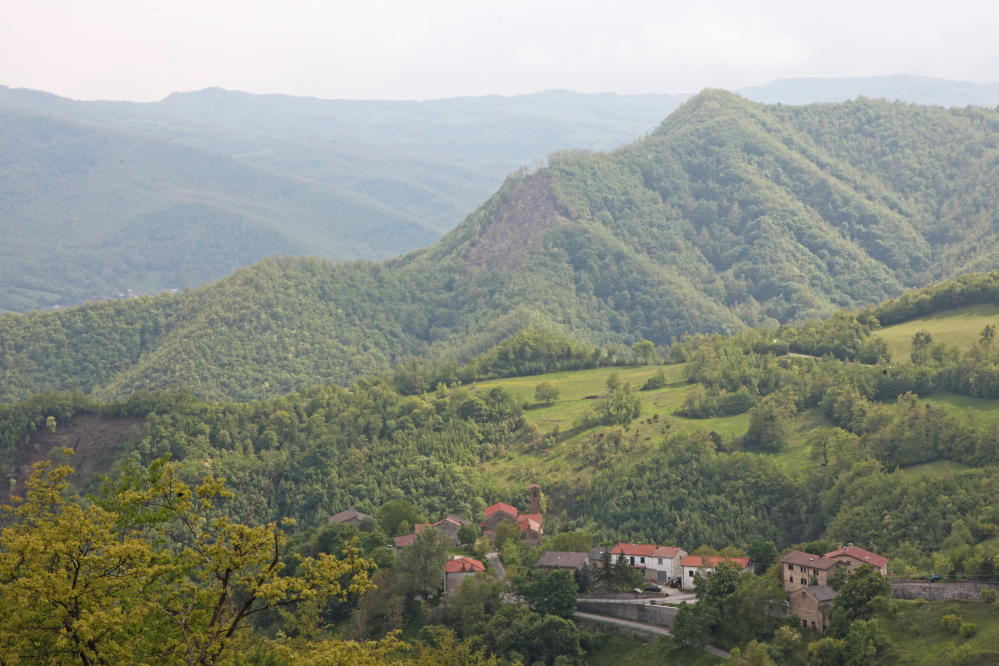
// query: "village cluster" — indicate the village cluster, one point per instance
point(805, 575)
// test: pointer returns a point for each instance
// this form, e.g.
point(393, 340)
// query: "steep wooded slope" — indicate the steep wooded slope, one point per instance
point(730, 214)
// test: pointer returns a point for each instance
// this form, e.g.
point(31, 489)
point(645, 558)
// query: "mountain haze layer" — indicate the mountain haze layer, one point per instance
point(373, 168)
point(731, 213)
point(89, 212)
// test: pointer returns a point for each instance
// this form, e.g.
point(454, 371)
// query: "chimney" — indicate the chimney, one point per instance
point(535, 498)
point(839, 546)
point(849, 545)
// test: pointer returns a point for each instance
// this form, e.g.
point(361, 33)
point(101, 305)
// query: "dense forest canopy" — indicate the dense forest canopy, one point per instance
point(730, 214)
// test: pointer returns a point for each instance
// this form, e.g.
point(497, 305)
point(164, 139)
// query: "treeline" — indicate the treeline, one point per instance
point(527, 352)
point(327, 447)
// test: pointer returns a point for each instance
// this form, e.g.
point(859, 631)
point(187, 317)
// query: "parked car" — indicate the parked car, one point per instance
point(653, 588)
point(935, 577)
point(636, 590)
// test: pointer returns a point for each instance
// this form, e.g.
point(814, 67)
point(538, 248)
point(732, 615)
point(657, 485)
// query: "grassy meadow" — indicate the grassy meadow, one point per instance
point(575, 411)
point(916, 629)
point(632, 651)
point(958, 327)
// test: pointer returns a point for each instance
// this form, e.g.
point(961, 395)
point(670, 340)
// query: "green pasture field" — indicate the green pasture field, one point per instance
point(577, 389)
point(959, 327)
point(923, 641)
point(986, 411)
point(916, 471)
point(632, 651)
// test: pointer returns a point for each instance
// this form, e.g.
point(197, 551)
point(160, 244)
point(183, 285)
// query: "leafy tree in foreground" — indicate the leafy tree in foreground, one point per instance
point(421, 563)
point(763, 555)
point(855, 599)
point(548, 593)
point(694, 624)
point(147, 573)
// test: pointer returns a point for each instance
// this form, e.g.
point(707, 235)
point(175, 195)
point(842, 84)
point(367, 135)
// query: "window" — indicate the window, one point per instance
point(660, 561)
point(632, 561)
point(802, 569)
point(803, 582)
point(790, 567)
point(643, 560)
point(804, 623)
point(791, 579)
point(690, 573)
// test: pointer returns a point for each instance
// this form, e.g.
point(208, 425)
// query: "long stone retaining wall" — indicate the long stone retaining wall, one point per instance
point(658, 615)
point(939, 590)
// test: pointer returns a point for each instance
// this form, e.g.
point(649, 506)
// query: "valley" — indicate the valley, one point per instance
point(712, 339)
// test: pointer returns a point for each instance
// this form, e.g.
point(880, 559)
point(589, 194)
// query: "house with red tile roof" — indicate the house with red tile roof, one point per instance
point(403, 541)
point(458, 570)
point(530, 523)
point(664, 565)
point(692, 564)
point(657, 563)
point(853, 557)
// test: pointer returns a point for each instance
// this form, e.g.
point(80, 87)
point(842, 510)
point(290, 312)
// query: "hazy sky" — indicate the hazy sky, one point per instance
point(362, 49)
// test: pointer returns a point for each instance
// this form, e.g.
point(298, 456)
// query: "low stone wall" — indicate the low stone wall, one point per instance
point(595, 627)
point(658, 615)
point(624, 596)
point(939, 591)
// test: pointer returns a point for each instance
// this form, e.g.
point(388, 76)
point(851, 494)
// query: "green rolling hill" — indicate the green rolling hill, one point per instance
point(730, 214)
point(88, 213)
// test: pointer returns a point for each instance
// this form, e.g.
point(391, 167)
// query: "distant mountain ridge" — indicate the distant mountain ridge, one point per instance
point(731, 213)
point(373, 166)
point(88, 212)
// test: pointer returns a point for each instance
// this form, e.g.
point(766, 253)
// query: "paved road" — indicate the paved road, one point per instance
point(651, 628)
point(497, 565)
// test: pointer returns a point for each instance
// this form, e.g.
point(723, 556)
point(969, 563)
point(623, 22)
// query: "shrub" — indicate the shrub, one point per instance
point(968, 629)
point(951, 623)
point(988, 596)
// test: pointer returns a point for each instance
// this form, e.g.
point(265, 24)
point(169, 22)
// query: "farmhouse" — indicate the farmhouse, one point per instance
point(853, 557)
point(458, 570)
point(664, 565)
point(813, 604)
point(349, 516)
point(798, 570)
point(694, 563)
point(554, 559)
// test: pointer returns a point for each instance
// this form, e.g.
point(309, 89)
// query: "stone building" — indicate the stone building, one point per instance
point(853, 557)
point(798, 570)
point(812, 605)
point(349, 516)
point(553, 559)
point(457, 570)
point(530, 524)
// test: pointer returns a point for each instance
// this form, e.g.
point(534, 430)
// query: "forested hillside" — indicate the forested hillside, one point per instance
point(835, 430)
point(730, 214)
point(90, 212)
